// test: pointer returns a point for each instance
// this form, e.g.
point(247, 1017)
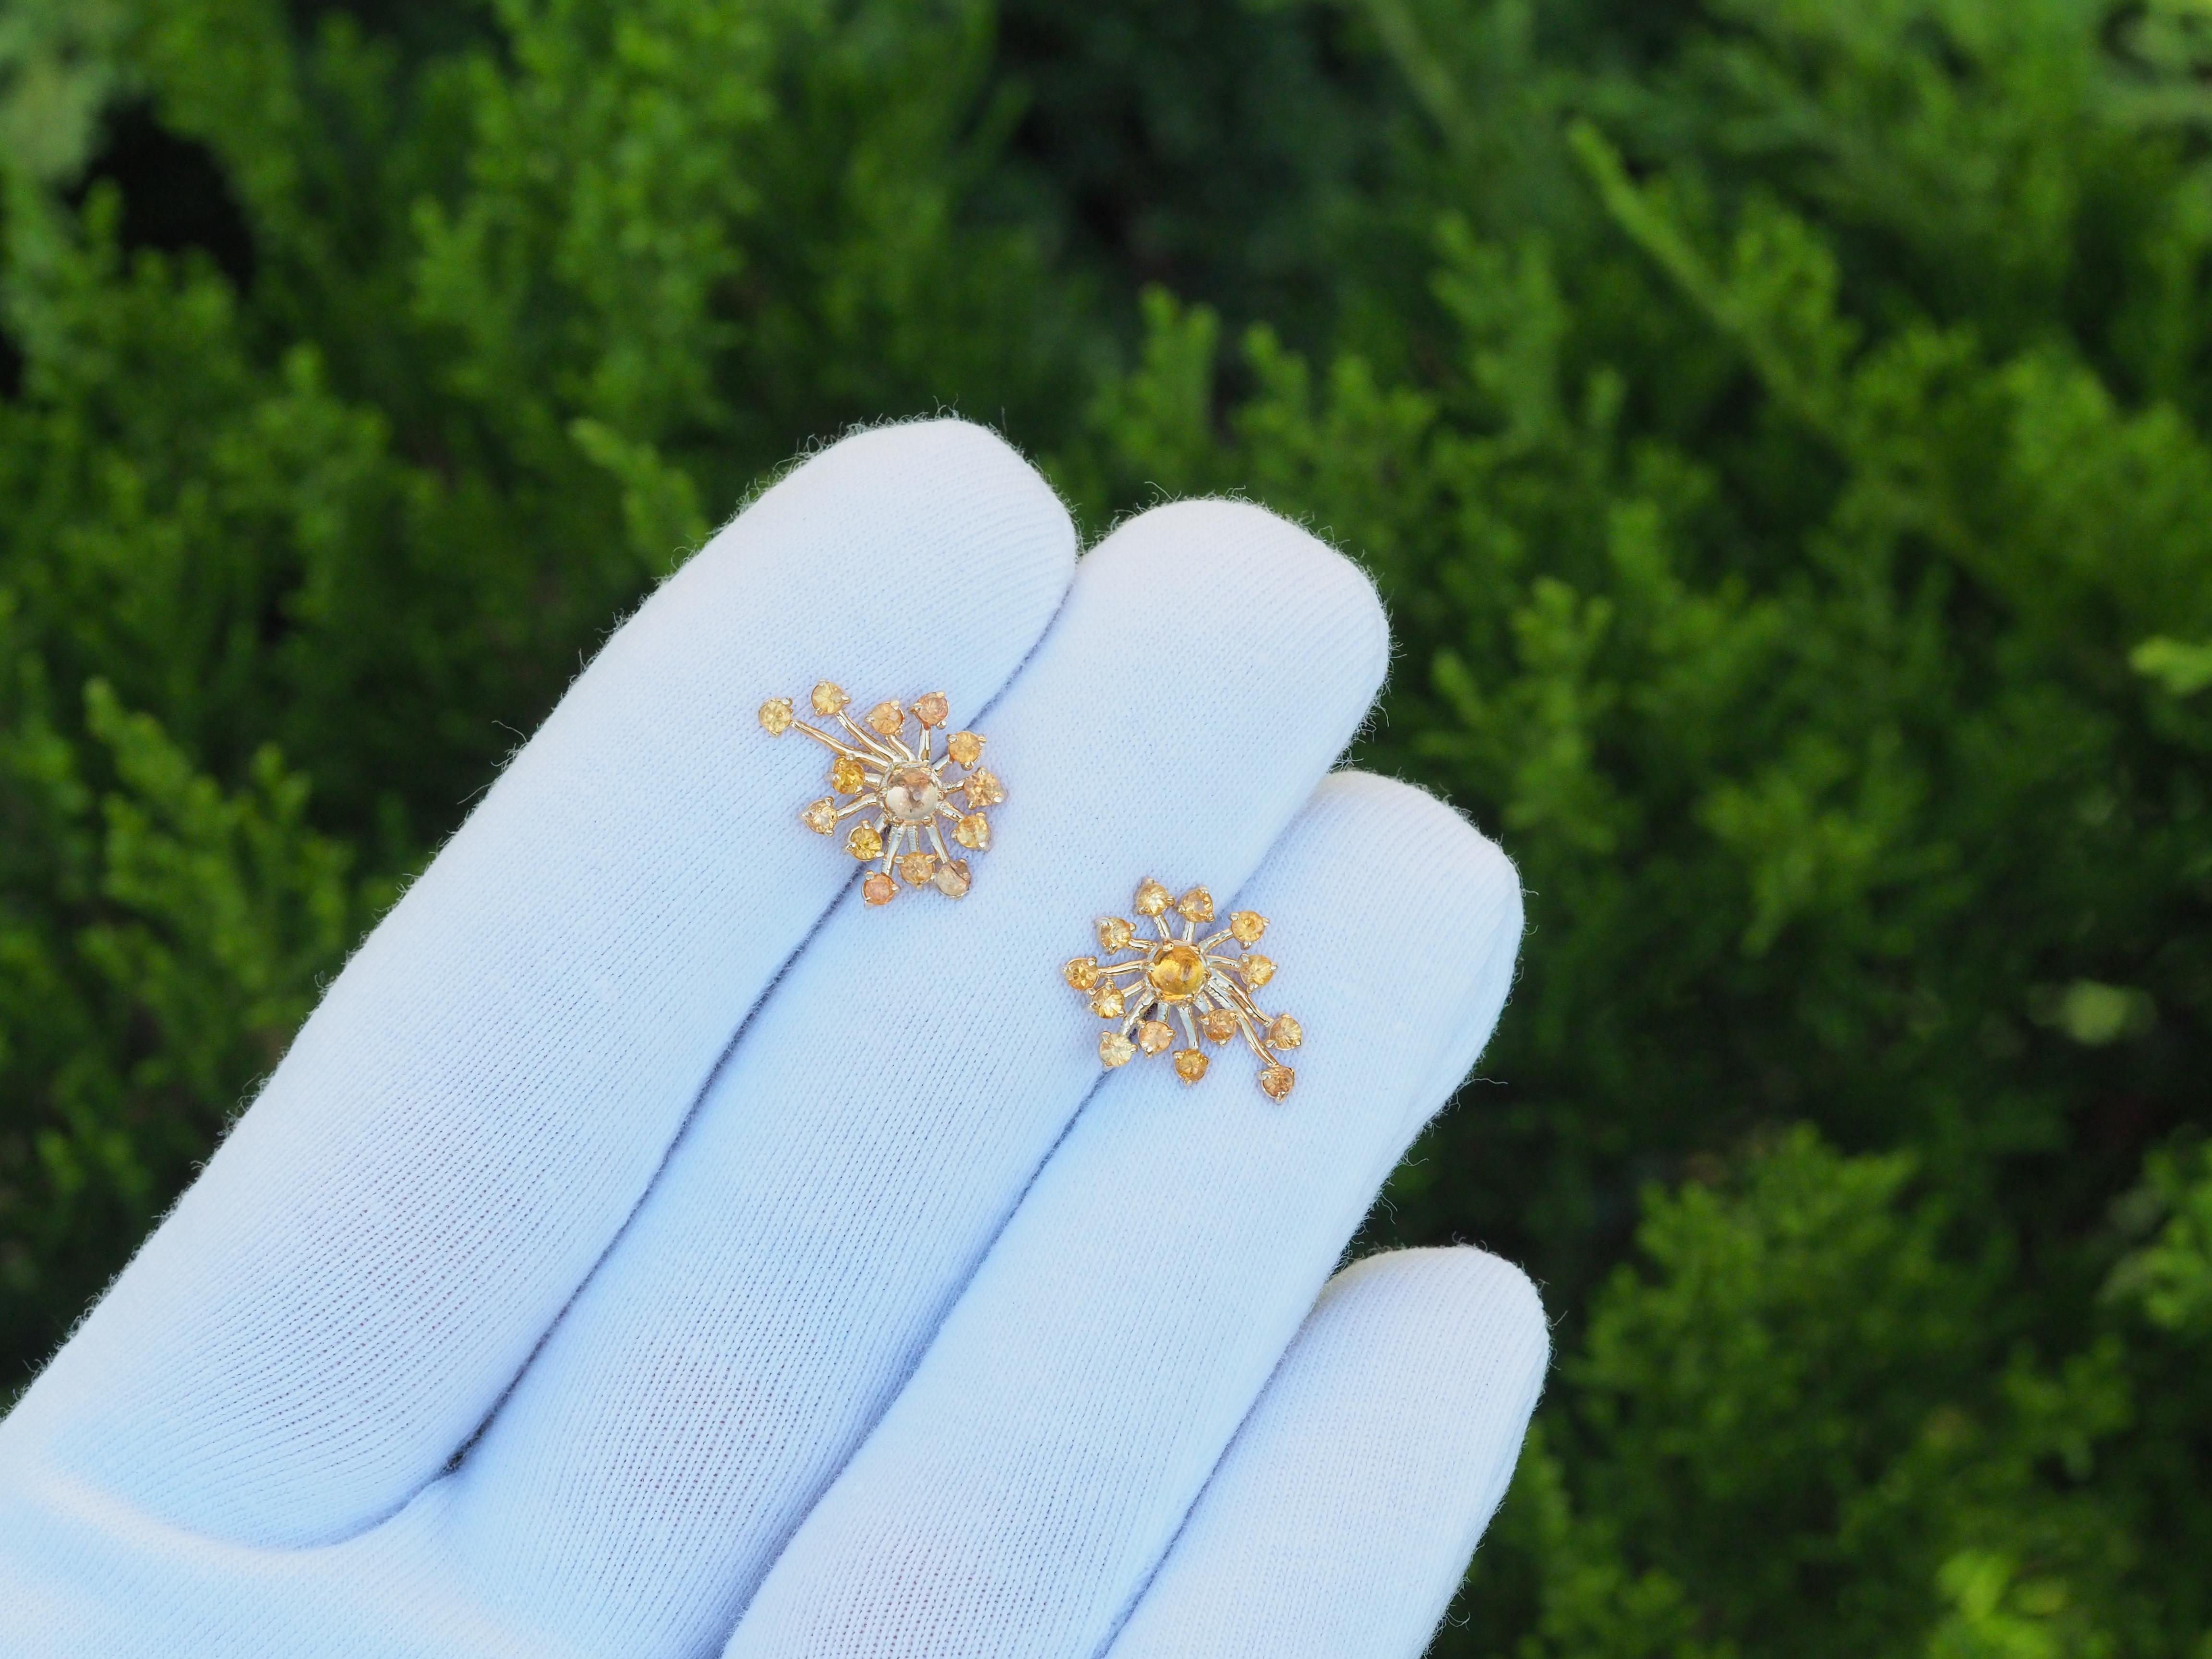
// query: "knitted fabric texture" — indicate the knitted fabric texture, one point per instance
point(647, 1249)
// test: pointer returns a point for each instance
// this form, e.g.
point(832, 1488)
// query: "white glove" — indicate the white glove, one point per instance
point(646, 1249)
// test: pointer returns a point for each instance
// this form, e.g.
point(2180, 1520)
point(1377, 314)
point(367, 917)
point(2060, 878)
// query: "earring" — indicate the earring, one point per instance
point(1198, 983)
point(899, 790)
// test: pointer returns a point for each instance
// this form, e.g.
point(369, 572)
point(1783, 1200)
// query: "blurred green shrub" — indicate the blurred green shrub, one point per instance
point(1779, 429)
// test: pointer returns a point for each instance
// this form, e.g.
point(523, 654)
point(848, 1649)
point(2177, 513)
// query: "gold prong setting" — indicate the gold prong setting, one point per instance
point(1156, 987)
point(903, 790)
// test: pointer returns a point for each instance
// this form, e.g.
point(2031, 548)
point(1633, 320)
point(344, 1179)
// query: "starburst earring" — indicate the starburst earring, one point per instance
point(1198, 983)
point(901, 790)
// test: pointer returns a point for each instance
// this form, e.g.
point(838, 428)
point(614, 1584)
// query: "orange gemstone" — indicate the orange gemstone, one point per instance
point(1153, 1036)
point(775, 716)
point(1106, 1002)
point(1190, 1065)
point(828, 698)
point(984, 789)
point(1152, 898)
point(918, 867)
point(973, 832)
point(1081, 972)
point(1286, 1033)
point(1114, 933)
point(821, 817)
point(1277, 1080)
point(952, 878)
point(931, 710)
point(1114, 1048)
point(1177, 972)
point(1257, 970)
point(1245, 927)
point(1219, 1025)
point(965, 747)
point(846, 776)
point(888, 719)
point(879, 889)
point(1196, 905)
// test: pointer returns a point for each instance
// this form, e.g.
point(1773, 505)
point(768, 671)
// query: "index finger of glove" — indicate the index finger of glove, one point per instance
point(488, 1089)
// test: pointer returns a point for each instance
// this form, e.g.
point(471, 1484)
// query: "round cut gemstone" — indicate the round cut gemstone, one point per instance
point(1177, 972)
point(911, 795)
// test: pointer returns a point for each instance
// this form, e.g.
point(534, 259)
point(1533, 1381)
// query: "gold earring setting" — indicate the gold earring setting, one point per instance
point(1201, 985)
point(901, 791)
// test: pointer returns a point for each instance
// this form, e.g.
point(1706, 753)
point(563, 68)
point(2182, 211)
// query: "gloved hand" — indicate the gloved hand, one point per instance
point(646, 1249)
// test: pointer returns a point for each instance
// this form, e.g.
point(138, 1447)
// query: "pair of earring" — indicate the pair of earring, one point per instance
point(901, 795)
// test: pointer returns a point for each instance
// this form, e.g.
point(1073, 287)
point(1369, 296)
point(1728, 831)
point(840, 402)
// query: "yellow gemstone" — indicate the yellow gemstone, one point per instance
point(1218, 1024)
point(1177, 972)
point(1196, 905)
point(888, 719)
point(1286, 1033)
point(965, 747)
point(846, 776)
point(912, 794)
point(821, 817)
point(1190, 1064)
point(1081, 972)
point(984, 789)
point(879, 889)
point(918, 867)
point(931, 710)
point(952, 878)
point(1106, 1002)
point(1257, 970)
point(1114, 933)
point(1152, 898)
point(864, 843)
point(1153, 1036)
point(973, 832)
point(1245, 927)
point(828, 699)
point(775, 716)
point(1276, 1080)
point(1114, 1048)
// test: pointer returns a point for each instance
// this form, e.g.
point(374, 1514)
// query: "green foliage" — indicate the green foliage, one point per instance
point(1782, 433)
point(182, 933)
